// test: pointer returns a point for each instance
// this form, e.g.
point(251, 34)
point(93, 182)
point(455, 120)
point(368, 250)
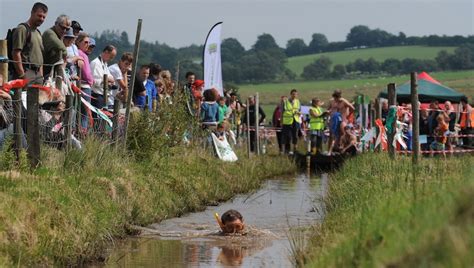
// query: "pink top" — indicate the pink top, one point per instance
point(86, 73)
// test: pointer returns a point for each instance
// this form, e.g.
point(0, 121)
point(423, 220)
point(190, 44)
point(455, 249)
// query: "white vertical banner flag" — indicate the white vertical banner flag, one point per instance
point(212, 59)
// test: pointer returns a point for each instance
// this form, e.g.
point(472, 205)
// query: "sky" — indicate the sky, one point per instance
point(184, 22)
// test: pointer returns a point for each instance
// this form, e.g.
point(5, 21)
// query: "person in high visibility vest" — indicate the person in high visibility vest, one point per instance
point(316, 124)
point(291, 120)
point(466, 122)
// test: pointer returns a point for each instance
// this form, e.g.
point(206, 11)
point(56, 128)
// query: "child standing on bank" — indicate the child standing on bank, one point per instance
point(440, 138)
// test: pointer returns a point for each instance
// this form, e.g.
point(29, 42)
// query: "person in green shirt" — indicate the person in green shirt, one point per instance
point(223, 109)
point(27, 45)
point(54, 48)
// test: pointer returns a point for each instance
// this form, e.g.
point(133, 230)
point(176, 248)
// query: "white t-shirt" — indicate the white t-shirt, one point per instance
point(116, 72)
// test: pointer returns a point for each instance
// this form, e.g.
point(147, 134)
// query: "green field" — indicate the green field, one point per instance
point(462, 81)
point(297, 64)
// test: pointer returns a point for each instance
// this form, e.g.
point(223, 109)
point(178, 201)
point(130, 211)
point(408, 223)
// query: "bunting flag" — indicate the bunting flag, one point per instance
point(382, 138)
point(369, 135)
point(18, 83)
point(97, 111)
point(212, 59)
point(223, 149)
point(399, 135)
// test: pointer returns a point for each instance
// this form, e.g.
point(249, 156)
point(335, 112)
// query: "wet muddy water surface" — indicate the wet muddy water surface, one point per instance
point(193, 240)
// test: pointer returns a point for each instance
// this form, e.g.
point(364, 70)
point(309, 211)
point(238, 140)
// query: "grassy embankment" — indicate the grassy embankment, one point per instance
point(297, 64)
point(462, 81)
point(383, 213)
point(72, 208)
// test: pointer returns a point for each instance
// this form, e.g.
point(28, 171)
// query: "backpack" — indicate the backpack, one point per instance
point(11, 68)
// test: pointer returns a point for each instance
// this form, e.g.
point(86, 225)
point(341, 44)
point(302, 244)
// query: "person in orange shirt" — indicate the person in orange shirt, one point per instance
point(440, 138)
point(466, 122)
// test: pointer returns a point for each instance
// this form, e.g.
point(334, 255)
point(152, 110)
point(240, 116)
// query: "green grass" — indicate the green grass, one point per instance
point(72, 208)
point(462, 81)
point(382, 212)
point(297, 64)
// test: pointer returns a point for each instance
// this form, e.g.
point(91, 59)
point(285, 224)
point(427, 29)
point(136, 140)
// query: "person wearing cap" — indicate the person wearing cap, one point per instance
point(91, 46)
point(316, 125)
point(68, 40)
point(76, 27)
point(54, 48)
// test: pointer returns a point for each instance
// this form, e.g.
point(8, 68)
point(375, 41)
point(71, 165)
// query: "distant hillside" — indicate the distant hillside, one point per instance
point(297, 64)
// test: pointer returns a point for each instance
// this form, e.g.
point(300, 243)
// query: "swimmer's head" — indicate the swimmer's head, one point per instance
point(232, 222)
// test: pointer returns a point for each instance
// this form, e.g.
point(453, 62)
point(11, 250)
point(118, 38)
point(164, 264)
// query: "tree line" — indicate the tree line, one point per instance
point(461, 59)
point(265, 60)
point(362, 36)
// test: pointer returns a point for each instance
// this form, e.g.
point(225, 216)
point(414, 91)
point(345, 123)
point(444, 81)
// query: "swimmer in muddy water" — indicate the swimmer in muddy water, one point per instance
point(231, 222)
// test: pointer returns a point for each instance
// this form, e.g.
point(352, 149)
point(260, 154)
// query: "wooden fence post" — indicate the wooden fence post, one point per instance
point(4, 62)
point(33, 136)
point(115, 121)
point(372, 124)
point(17, 129)
point(392, 101)
point(132, 84)
point(257, 132)
point(415, 109)
point(248, 128)
point(67, 120)
point(105, 88)
point(79, 104)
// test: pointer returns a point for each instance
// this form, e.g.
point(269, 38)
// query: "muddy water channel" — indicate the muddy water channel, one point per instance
point(193, 240)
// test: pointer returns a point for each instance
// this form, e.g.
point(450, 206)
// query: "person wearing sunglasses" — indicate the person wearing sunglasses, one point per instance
point(54, 49)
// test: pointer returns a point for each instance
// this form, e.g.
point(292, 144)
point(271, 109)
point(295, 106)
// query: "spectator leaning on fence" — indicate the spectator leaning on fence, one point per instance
point(54, 48)
point(119, 72)
point(86, 77)
point(145, 91)
point(28, 45)
point(68, 41)
point(100, 68)
point(73, 50)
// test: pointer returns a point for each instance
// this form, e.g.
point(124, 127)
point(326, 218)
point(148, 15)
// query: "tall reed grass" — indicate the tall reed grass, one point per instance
point(383, 212)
